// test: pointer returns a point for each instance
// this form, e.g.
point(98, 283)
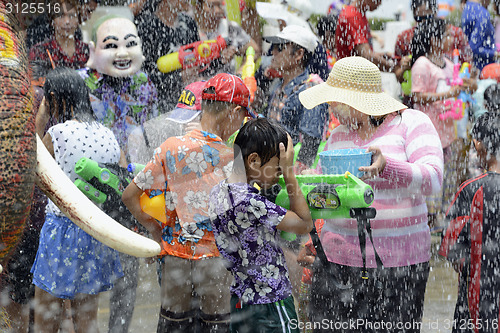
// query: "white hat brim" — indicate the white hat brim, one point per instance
point(373, 104)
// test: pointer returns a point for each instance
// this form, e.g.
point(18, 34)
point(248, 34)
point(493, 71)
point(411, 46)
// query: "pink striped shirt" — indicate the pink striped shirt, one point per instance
point(414, 169)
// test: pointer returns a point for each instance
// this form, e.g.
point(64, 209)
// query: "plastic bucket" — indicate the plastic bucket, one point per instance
point(339, 161)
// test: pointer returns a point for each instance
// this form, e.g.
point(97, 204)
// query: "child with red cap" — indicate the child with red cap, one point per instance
point(184, 169)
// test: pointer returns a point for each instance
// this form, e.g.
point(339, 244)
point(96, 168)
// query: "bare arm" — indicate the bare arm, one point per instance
point(47, 141)
point(384, 63)
point(298, 218)
point(431, 97)
point(42, 118)
point(131, 199)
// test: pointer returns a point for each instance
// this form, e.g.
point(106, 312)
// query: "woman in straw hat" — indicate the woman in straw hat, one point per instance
point(407, 165)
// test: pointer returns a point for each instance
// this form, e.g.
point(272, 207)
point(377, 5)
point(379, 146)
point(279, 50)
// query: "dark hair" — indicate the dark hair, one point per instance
point(326, 23)
point(487, 130)
point(431, 4)
point(261, 136)
point(421, 43)
point(150, 7)
point(492, 98)
point(65, 89)
point(53, 14)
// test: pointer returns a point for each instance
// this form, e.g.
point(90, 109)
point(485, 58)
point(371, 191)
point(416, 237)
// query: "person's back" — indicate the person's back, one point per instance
point(351, 20)
point(476, 24)
point(66, 251)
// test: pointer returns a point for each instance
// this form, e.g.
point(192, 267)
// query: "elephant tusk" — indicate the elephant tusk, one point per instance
point(84, 213)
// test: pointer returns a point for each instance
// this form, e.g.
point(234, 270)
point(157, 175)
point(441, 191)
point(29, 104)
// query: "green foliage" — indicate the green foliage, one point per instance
point(377, 23)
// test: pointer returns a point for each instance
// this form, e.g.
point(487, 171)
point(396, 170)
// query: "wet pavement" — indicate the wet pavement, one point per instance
point(440, 298)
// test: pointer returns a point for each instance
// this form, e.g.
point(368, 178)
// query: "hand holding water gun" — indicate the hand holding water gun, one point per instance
point(98, 182)
point(461, 80)
point(200, 53)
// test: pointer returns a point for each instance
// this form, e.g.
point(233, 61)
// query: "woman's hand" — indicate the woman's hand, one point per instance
point(378, 164)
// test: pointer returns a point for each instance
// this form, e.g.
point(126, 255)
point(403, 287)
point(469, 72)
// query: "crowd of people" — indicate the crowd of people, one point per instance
point(213, 148)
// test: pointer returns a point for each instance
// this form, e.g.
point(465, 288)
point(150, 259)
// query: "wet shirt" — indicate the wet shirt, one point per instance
point(472, 237)
point(123, 105)
point(477, 25)
point(245, 223)
point(427, 77)
point(352, 29)
point(414, 170)
point(285, 107)
point(39, 55)
point(158, 40)
point(184, 169)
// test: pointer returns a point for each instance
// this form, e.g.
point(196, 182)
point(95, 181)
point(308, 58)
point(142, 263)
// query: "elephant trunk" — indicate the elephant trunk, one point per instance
point(17, 134)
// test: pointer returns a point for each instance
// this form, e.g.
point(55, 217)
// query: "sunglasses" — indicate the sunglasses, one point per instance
point(279, 47)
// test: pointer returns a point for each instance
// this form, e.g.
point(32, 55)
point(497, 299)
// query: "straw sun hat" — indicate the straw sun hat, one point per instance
point(354, 81)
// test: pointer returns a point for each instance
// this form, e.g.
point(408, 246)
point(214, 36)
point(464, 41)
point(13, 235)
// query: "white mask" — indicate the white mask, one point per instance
point(118, 49)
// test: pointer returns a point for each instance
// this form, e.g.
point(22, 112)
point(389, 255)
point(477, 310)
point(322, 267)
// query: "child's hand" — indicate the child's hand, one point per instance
point(286, 157)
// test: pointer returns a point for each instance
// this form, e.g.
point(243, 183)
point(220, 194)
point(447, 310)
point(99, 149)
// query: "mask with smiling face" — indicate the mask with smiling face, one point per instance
point(116, 49)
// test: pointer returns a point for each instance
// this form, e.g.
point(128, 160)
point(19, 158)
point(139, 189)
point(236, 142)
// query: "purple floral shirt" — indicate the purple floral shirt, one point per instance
point(244, 224)
point(123, 110)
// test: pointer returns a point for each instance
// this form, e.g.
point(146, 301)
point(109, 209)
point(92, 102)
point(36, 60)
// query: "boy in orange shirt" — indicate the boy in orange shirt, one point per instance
point(184, 170)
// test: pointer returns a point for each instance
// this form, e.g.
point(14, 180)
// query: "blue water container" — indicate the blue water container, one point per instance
point(339, 161)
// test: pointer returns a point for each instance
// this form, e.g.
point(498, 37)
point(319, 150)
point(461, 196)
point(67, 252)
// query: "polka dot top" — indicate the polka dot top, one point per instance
point(73, 140)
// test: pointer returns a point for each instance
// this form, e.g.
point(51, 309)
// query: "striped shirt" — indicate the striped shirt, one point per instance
point(414, 169)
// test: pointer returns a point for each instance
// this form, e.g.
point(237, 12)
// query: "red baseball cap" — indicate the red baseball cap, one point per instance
point(228, 88)
point(491, 71)
point(189, 104)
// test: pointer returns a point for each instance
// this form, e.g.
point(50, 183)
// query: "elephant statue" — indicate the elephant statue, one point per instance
point(25, 162)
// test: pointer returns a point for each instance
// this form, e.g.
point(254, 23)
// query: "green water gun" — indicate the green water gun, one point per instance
point(330, 196)
point(94, 180)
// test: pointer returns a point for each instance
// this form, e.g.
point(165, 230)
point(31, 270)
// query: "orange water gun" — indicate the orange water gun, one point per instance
point(200, 53)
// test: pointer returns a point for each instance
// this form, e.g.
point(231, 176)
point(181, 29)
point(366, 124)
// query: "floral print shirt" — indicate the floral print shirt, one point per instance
point(121, 107)
point(244, 224)
point(184, 170)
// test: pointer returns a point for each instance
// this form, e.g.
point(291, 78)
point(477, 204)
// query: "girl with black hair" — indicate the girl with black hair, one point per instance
point(70, 264)
point(432, 74)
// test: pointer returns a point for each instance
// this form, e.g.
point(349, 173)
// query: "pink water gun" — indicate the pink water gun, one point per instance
point(457, 80)
point(457, 109)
